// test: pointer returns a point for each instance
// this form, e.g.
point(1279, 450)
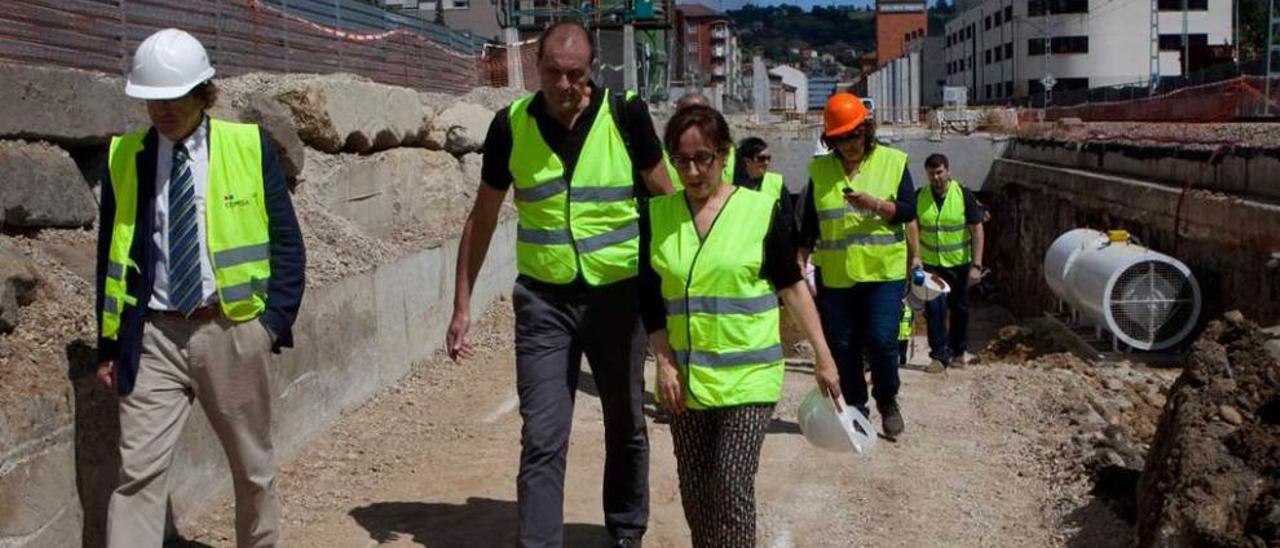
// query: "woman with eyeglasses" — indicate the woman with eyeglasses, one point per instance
point(857, 208)
point(757, 158)
point(718, 260)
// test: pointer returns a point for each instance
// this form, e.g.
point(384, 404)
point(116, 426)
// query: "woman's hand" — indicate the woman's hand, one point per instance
point(670, 387)
point(824, 372)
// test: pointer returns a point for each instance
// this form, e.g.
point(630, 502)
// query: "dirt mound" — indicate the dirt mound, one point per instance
point(1020, 343)
point(1213, 475)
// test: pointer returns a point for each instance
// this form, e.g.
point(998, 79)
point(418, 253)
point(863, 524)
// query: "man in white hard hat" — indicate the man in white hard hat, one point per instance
point(200, 275)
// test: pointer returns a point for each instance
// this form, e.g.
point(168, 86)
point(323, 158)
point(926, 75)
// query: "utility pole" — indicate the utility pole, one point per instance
point(1186, 45)
point(1153, 80)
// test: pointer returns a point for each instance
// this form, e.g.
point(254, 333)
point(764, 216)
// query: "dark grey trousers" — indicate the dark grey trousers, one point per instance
point(554, 328)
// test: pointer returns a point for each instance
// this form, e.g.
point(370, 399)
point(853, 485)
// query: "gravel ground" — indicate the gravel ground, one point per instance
point(993, 456)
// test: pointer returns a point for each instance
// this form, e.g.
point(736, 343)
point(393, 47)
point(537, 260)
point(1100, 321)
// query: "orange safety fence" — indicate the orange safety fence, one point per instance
point(241, 35)
point(496, 70)
point(1228, 100)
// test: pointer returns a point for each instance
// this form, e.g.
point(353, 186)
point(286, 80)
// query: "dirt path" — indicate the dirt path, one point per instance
point(433, 461)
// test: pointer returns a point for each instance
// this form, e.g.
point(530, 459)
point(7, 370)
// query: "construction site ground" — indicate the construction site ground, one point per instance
point(432, 461)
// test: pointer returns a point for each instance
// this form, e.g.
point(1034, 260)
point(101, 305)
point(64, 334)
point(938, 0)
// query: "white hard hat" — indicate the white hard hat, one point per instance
point(825, 429)
point(167, 65)
point(933, 287)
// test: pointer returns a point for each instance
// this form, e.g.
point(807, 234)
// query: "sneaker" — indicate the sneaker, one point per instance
point(891, 418)
point(956, 363)
point(935, 367)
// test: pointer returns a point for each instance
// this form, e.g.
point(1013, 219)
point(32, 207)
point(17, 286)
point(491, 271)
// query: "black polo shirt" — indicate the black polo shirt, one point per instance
point(633, 120)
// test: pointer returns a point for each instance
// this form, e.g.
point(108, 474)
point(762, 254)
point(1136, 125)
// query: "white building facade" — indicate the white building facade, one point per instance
point(1002, 49)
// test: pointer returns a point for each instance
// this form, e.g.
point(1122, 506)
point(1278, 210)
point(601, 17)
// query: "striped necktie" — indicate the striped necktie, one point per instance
point(185, 291)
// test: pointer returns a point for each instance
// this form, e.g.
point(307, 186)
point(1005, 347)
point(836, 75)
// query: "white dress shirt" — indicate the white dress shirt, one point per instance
point(198, 159)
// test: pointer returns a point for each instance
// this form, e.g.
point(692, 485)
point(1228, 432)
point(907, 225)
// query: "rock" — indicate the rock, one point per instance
point(394, 192)
point(493, 98)
point(1114, 385)
point(461, 128)
point(41, 187)
point(65, 106)
point(1234, 317)
point(337, 113)
point(1230, 415)
point(17, 287)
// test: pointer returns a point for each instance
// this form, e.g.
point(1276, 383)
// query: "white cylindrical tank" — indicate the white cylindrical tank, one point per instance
point(1063, 251)
point(1147, 299)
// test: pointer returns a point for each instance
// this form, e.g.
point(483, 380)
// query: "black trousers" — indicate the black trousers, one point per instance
point(717, 457)
point(554, 328)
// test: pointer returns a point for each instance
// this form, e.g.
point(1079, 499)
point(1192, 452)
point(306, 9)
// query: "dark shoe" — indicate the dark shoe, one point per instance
point(935, 367)
point(626, 543)
point(956, 363)
point(891, 419)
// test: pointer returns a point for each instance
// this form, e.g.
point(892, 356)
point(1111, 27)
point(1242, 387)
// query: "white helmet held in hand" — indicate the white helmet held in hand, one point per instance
point(825, 429)
point(167, 65)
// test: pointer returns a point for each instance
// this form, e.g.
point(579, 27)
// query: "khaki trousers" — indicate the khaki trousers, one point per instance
point(222, 365)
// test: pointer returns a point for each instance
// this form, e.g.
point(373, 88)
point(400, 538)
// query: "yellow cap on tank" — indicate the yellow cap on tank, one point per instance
point(1118, 236)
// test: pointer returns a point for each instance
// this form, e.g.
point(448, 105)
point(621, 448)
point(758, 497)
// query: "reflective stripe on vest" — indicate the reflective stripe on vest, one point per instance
point(722, 317)
point(944, 236)
point(674, 174)
point(858, 247)
point(904, 327)
point(236, 231)
point(587, 225)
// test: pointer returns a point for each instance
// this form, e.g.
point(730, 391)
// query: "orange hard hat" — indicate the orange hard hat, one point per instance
point(844, 112)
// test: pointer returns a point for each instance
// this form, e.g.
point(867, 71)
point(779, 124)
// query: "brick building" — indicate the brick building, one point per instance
point(706, 39)
point(897, 23)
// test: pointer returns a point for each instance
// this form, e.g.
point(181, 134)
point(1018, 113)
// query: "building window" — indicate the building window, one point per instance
point(999, 53)
point(461, 4)
point(1059, 45)
point(1008, 13)
point(1176, 5)
point(1173, 42)
point(987, 55)
point(1008, 50)
point(1049, 7)
point(997, 19)
point(1008, 88)
point(1070, 44)
point(987, 88)
point(987, 25)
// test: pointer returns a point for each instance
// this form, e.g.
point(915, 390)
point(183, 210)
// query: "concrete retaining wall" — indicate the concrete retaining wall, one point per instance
point(353, 337)
point(1230, 243)
point(1240, 171)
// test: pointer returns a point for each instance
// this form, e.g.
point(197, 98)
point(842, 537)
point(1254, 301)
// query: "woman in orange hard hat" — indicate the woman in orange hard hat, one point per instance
point(856, 210)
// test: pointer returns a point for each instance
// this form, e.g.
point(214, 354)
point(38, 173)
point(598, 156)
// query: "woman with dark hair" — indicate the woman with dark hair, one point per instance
point(711, 288)
point(856, 214)
point(756, 158)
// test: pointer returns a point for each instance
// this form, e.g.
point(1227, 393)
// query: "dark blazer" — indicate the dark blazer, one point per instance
point(288, 261)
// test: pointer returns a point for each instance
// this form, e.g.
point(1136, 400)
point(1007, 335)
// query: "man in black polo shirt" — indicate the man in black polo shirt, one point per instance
point(578, 158)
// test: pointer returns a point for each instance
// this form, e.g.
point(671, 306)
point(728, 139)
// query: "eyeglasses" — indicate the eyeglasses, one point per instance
point(702, 159)
point(763, 158)
point(846, 138)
